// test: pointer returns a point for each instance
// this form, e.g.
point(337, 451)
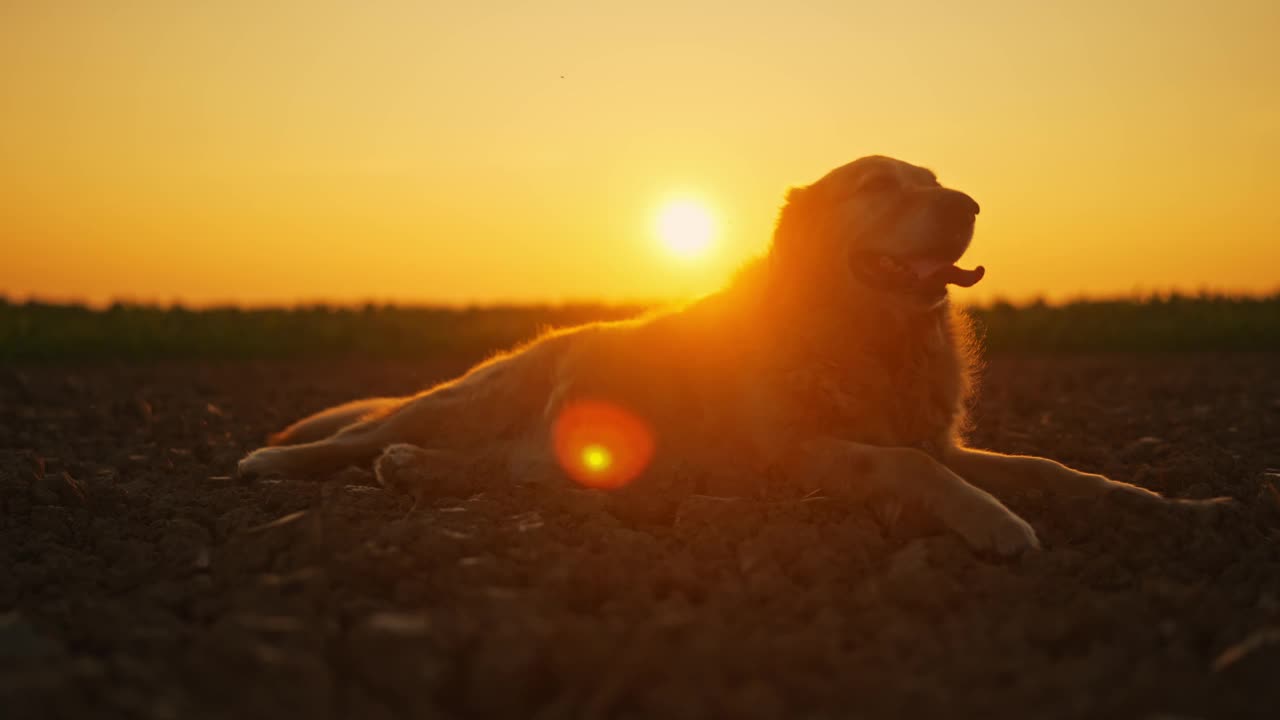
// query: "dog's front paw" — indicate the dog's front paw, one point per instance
point(1004, 534)
point(260, 463)
point(419, 472)
point(1207, 511)
point(403, 468)
point(990, 527)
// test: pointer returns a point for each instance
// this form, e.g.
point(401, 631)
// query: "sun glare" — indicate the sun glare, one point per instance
point(686, 228)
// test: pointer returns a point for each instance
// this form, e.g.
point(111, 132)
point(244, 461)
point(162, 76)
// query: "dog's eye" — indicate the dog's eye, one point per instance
point(878, 183)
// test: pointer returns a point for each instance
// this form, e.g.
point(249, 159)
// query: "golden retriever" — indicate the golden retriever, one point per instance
point(835, 360)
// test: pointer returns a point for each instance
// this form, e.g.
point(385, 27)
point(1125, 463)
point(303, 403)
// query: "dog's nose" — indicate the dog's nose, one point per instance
point(956, 203)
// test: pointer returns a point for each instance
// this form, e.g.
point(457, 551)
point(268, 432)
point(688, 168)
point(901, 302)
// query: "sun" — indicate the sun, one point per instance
point(686, 228)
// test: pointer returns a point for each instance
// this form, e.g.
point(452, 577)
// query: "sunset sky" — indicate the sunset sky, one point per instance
point(282, 152)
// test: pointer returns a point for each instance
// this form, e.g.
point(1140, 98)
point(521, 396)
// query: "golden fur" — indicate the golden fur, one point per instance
point(800, 366)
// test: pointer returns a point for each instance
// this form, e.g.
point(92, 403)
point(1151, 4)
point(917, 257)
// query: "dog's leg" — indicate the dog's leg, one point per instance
point(853, 470)
point(1019, 472)
point(332, 453)
point(1010, 473)
point(328, 422)
point(355, 444)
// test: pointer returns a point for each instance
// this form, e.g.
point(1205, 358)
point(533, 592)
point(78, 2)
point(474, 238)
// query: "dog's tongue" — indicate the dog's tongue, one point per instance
point(931, 270)
point(955, 275)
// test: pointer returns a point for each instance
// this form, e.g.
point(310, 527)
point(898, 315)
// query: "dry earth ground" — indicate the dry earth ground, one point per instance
point(139, 581)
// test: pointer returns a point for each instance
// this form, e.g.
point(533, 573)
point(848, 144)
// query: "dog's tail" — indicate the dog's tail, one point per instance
point(328, 422)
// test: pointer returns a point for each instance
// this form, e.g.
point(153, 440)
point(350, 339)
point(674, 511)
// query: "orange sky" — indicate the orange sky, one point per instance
point(453, 152)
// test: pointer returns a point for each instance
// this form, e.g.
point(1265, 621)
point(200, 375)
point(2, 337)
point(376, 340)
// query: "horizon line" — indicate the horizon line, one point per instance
point(1136, 295)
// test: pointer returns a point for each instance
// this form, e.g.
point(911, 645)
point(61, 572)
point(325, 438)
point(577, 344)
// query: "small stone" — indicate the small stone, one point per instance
point(282, 521)
point(1147, 447)
point(396, 623)
point(1248, 668)
point(1260, 649)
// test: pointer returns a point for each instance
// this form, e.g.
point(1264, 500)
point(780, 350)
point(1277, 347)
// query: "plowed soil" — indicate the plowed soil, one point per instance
point(140, 580)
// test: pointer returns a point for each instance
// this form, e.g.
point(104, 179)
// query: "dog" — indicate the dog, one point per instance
point(835, 360)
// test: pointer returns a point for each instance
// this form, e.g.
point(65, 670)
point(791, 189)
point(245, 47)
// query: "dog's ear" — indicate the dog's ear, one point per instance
point(797, 194)
point(794, 219)
point(799, 202)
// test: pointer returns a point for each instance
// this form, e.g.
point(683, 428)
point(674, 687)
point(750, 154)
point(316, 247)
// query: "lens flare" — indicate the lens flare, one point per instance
point(596, 458)
point(601, 445)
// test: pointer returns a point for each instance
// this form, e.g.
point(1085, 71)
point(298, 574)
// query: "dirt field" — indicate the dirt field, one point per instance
point(140, 581)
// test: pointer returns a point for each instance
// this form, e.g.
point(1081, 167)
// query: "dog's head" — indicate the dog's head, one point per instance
point(878, 227)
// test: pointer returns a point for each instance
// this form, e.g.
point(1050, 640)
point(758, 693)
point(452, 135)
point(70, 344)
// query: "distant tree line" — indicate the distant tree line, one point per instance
point(44, 332)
